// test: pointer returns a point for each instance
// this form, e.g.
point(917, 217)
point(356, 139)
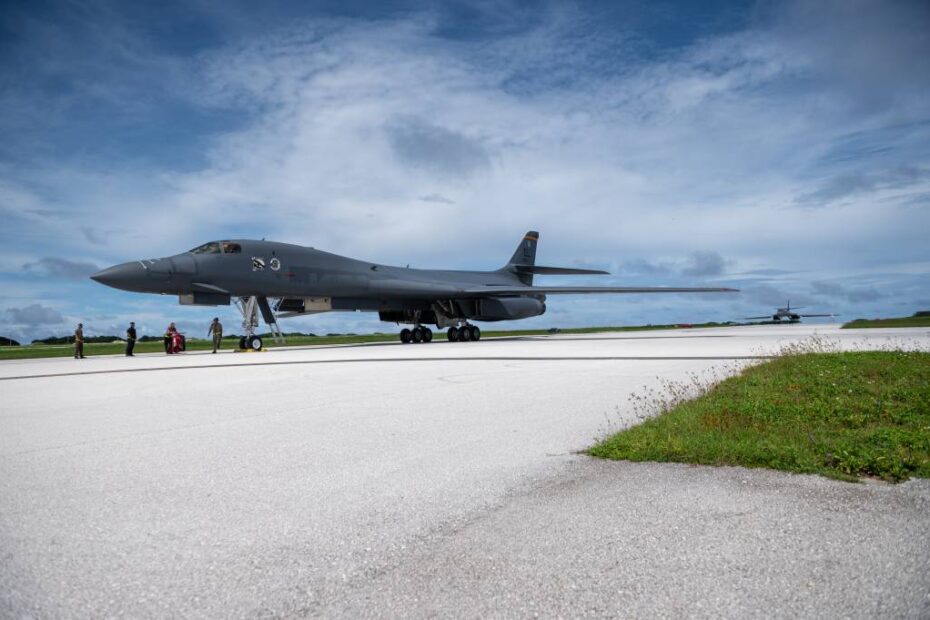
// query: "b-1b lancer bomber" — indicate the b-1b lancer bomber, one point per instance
point(786, 314)
point(301, 280)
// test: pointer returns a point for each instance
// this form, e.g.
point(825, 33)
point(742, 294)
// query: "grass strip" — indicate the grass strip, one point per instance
point(905, 321)
point(842, 415)
point(33, 351)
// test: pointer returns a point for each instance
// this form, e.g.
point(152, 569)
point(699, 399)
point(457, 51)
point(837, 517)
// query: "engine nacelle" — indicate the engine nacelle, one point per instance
point(300, 305)
point(204, 299)
point(508, 308)
point(427, 317)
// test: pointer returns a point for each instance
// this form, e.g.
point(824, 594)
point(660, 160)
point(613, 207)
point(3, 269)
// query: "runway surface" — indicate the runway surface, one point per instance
point(424, 480)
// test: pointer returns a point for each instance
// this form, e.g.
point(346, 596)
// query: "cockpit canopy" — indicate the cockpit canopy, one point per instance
point(218, 247)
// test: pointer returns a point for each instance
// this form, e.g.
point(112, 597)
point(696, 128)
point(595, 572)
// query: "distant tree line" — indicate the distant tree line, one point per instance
point(70, 339)
point(8, 342)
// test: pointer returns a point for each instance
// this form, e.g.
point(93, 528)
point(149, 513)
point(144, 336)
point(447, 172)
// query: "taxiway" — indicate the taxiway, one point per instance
point(440, 479)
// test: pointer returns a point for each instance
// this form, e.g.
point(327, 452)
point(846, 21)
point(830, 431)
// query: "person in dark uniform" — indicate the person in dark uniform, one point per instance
point(216, 330)
point(130, 338)
point(79, 342)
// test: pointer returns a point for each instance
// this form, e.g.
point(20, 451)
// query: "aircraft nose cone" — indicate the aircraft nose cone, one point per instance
point(126, 276)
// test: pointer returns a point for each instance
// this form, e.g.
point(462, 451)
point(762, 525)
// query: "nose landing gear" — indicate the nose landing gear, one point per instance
point(250, 342)
point(250, 307)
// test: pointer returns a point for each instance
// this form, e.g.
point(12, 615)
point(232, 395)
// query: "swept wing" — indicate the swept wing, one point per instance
point(560, 271)
point(498, 291)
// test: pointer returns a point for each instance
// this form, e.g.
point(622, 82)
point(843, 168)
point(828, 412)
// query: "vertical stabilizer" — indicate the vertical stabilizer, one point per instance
point(526, 251)
point(525, 254)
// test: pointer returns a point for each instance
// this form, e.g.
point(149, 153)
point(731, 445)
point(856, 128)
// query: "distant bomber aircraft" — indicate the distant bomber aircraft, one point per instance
point(786, 314)
point(301, 280)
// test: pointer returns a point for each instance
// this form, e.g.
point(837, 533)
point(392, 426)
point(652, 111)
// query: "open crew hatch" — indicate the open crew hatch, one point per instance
point(218, 247)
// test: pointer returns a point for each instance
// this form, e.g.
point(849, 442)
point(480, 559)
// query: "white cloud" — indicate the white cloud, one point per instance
point(705, 264)
point(34, 314)
point(360, 130)
point(61, 268)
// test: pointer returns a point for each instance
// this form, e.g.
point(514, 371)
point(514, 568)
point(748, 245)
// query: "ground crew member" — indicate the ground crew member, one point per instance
point(79, 342)
point(130, 338)
point(216, 330)
point(169, 338)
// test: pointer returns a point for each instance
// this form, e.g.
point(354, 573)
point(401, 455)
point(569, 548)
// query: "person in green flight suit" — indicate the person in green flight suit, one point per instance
point(79, 342)
point(216, 330)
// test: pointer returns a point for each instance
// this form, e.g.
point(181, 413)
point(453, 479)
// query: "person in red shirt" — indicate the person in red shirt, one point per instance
point(170, 334)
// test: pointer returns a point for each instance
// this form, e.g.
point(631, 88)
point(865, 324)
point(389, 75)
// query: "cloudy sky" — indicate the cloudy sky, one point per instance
point(779, 147)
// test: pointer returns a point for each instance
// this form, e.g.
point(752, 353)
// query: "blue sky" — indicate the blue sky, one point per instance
point(779, 147)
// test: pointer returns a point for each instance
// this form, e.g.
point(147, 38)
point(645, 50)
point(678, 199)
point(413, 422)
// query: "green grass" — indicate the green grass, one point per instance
point(904, 321)
point(842, 415)
point(115, 348)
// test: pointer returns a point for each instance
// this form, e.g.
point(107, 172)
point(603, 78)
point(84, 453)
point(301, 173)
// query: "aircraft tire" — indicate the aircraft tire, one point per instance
point(475, 333)
point(427, 334)
point(465, 333)
point(416, 336)
point(242, 343)
point(405, 335)
point(255, 343)
point(453, 334)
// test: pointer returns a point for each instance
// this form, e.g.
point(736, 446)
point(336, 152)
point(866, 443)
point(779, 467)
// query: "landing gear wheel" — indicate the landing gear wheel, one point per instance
point(453, 334)
point(427, 334)
point(255, 343)
point(405, 335)
point(475, 332)
point(465, 333)
point(416, 336)
point(242, 346)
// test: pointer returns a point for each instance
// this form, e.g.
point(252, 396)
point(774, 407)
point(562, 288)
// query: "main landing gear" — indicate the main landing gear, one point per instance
point(416, 335)
point(459, 329)
point(465, 333)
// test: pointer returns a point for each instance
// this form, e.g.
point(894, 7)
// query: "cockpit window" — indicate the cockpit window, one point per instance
point(231, 248)
point(207, 248)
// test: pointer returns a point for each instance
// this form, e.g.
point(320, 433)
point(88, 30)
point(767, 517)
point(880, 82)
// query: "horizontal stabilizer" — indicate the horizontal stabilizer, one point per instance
point(498, 291)
point(539, 269)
